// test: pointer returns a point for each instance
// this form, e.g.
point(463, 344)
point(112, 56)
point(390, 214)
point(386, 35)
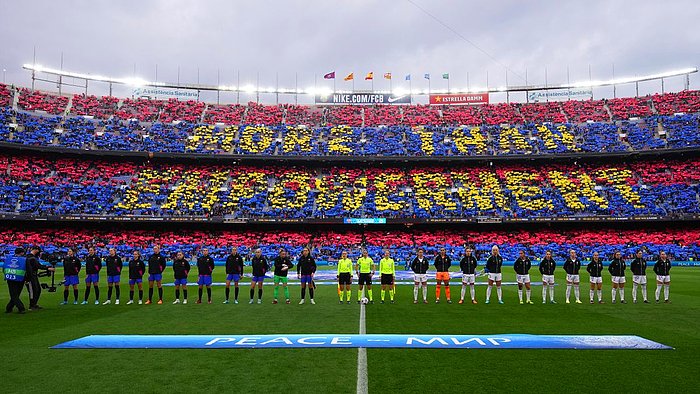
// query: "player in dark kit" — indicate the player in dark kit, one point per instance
point(156, 266)
point(260, 266)
point(468, 266)
point(493, 267)
point(282, 264)
point(114, 271)
point(547, 267)
point(617, 270)
point(205, 267)
point(522, 267)
point(639, 278)
point(71, 269)
point(572, 266)
point(136, 271)
point(93, 265)
point(442, 264)
point(234, 273)
point(662, 269)
point(181, 268)
point(306, 268)
point(595, 269)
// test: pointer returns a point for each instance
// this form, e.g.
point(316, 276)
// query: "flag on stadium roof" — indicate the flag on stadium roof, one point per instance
point(408, 77)
point(446, 76)
point(426, 76)
point(350, 77)
point(369, 76)
point(387, 75)
point(330, 75)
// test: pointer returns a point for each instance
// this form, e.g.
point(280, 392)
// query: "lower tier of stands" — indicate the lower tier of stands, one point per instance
point(681, 244)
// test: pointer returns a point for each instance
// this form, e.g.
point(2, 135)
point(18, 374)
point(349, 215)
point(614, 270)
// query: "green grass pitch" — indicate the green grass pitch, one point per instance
point(30, 366)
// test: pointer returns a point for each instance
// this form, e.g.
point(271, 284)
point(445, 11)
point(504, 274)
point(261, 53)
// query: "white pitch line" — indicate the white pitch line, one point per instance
point(362, 357)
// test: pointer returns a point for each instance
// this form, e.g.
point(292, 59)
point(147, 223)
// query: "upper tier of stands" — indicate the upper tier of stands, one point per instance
point(166, 111)
point(665, 121)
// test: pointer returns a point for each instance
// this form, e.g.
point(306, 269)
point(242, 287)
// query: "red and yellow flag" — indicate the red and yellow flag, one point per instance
point(387, 75)
point(349, 77)
point(369, 76)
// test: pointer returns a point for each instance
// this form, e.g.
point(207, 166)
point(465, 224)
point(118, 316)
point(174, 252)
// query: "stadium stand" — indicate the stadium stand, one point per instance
point(100, 108)
point(39, 101)
point(681, 244)
point(508, 191)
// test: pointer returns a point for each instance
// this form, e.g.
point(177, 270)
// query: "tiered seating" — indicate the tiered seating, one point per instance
point(101, 108)
point(39, 101)
point(5, 96)
point(625, 108)
point(507, 191)
point(259, 114)
point(344, 115)
point(227, 114)
point(687, 101)
point(145, 110)
point(417, 115)
point(583, 111)
point(682, 130)
point(301, 115)
point(681, 244)
point(382, 115)
point(542, 112)
point(187, 111)
point(501, 113)
point(462, 115)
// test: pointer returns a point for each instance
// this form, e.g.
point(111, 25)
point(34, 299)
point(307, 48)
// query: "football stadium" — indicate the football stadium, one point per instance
point(476, 209)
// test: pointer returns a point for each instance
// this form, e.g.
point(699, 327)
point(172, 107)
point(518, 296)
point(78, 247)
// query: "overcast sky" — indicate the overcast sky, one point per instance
point(310, 38)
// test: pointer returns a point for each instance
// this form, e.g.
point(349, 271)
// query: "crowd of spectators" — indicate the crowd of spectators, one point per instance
point(681, 244)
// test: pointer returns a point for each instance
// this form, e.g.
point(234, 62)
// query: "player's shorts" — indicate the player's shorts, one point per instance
point(663, 278)
point(596, 279)
point(468, 279)
point(306, 278)
point(639, 279)
point(547, 279)
point(420, 278)
point(387, 279)
point(233, 277)
point(495, 276)
point(92, 278)
point(135, 281)
point(182, 281)
point(345, 278)
point(277, 279)
point(521, 279)
point(155, 277)
point(71, 280)
point(442, 275)
point(365, 279)
point(618, 279)
point(114, 278)
point(204, 280)
point(258, 278)
point(573, 278)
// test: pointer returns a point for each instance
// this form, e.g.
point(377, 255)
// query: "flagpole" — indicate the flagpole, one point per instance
point(333, 83)
point(410, 89)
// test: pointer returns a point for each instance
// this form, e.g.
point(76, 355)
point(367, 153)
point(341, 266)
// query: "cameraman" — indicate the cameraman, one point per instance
point(33, 286)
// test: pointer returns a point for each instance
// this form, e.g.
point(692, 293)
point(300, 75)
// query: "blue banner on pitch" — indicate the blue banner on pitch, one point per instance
point(510, 341)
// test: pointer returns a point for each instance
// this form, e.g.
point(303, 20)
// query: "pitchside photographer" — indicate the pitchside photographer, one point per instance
point(36, 269)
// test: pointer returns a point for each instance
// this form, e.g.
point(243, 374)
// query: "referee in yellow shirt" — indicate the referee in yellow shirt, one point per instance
point(344, 276)
point(387, 269)
point(365, 270)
